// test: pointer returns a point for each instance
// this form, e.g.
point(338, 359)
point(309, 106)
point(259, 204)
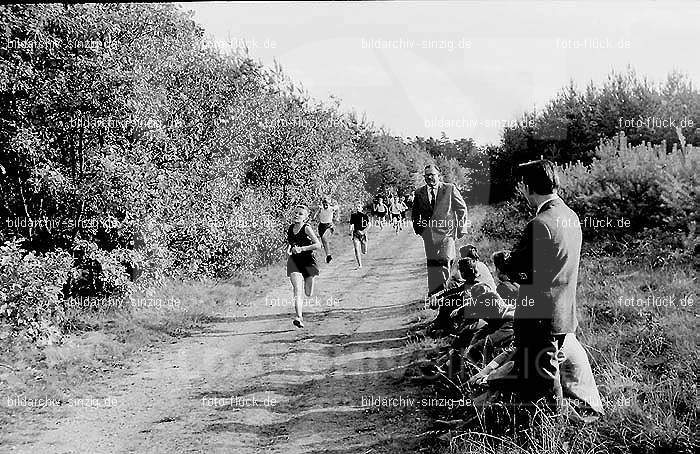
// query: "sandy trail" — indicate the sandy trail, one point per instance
point(251, 382)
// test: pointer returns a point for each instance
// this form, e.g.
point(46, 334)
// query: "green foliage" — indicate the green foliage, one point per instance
point(571, 125)
point(506, 221)
point(653, 190)
point(30, 291)
point(145, 153)
point(97, 272)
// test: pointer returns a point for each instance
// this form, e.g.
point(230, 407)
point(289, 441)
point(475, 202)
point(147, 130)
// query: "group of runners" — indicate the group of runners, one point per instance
point(302, 240)
point(392, 212)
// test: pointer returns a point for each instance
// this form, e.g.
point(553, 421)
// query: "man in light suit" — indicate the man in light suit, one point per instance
point(545, 263)
point(439, 215)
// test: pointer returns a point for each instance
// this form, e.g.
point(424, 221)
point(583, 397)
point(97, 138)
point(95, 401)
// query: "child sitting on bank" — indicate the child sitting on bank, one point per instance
point(496, 332)
point(483, 274)
point(472, 271)
point(479, 312)
point(506, 288)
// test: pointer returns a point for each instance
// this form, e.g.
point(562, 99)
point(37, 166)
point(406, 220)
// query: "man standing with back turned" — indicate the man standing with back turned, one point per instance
point(546, 262)
point(439, 216)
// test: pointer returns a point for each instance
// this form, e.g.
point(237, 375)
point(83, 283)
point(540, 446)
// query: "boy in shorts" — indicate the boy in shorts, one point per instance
point(359, 222)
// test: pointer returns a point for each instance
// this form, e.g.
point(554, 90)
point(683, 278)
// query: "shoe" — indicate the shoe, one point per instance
point(299, 323)
point(329, 258)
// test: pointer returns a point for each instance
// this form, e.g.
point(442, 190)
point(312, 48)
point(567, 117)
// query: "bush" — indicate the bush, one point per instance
point(30, 291)
point(506, 220)
point(655, 191)
point(99, 273)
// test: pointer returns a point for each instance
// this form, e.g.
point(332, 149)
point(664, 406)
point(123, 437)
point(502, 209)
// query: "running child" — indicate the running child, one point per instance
point(404, 209)
point(301, 264)
point(507, 289)
point(380, 210)
point(359, 222)
point(326, 216)
point(395, 213)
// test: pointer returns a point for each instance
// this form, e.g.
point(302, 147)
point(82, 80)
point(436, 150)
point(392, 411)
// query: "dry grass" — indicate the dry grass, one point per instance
point(645, 360)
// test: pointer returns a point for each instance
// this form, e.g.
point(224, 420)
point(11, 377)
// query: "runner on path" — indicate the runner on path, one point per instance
point(380, 211)
point(359, 222)
point(326, 216)
point(301, 264)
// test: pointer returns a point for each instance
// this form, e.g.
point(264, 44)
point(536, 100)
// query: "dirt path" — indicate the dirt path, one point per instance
point(252, 383)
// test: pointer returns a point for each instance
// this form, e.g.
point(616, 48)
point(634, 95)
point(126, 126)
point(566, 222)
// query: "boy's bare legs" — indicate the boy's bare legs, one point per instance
point(309, 285)
point(296, 279)
point(326, 241)
point(356, 246)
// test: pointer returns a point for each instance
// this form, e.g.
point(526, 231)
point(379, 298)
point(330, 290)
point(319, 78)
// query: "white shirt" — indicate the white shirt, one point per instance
point(430, 193)
point(539, 207)
point(325, 215)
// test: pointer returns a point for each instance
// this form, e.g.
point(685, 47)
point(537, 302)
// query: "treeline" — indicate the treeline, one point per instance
point(572, 125)
point(569, 129)
point(134, 151)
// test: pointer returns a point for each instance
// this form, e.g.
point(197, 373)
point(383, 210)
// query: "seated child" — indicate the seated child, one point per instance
point(482, 317)
point(506, 288)
point(496, 332)
point(483, 274)
point(471, 271)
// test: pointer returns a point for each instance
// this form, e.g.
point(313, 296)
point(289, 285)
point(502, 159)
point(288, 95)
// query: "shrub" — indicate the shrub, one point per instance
point(655, 191)
point(506, 220)
point(30, 291)
point(97, 272)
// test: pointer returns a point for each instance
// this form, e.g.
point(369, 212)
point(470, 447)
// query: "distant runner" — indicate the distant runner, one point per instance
point(326, 216)
point(380, 211)
point(396, 207)
point(359, 222)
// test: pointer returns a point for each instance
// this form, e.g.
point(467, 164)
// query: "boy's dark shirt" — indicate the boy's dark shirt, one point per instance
point(359, 221)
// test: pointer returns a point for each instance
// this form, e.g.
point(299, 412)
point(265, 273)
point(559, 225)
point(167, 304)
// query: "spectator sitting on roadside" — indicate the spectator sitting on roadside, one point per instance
point(506, 288)
point(483, 274)
point(496, 331)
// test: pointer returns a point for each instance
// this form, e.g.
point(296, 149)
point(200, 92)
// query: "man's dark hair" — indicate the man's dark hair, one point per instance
point(540, 176)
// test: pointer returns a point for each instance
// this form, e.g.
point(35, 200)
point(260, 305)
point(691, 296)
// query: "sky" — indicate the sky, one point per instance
point(463, 68)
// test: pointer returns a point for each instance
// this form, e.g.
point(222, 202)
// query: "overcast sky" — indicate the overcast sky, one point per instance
point(465, 68)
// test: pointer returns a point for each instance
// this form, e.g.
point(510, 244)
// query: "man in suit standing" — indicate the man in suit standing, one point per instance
point(439, 215)
point(545, 262)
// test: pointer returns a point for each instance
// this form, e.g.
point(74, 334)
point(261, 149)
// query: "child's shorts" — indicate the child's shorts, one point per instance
point(359, 236)
point(302, 263)
point(323, 227)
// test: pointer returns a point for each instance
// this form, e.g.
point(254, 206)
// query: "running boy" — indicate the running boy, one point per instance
point(380, 210)
point(358, 231)
point(326, 216)
point(301, 264)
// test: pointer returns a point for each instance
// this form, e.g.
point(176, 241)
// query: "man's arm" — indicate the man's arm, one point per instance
point(518, 267)
point(460, 210)
point(416, 217)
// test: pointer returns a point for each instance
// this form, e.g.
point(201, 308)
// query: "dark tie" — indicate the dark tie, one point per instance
point(432, 198)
